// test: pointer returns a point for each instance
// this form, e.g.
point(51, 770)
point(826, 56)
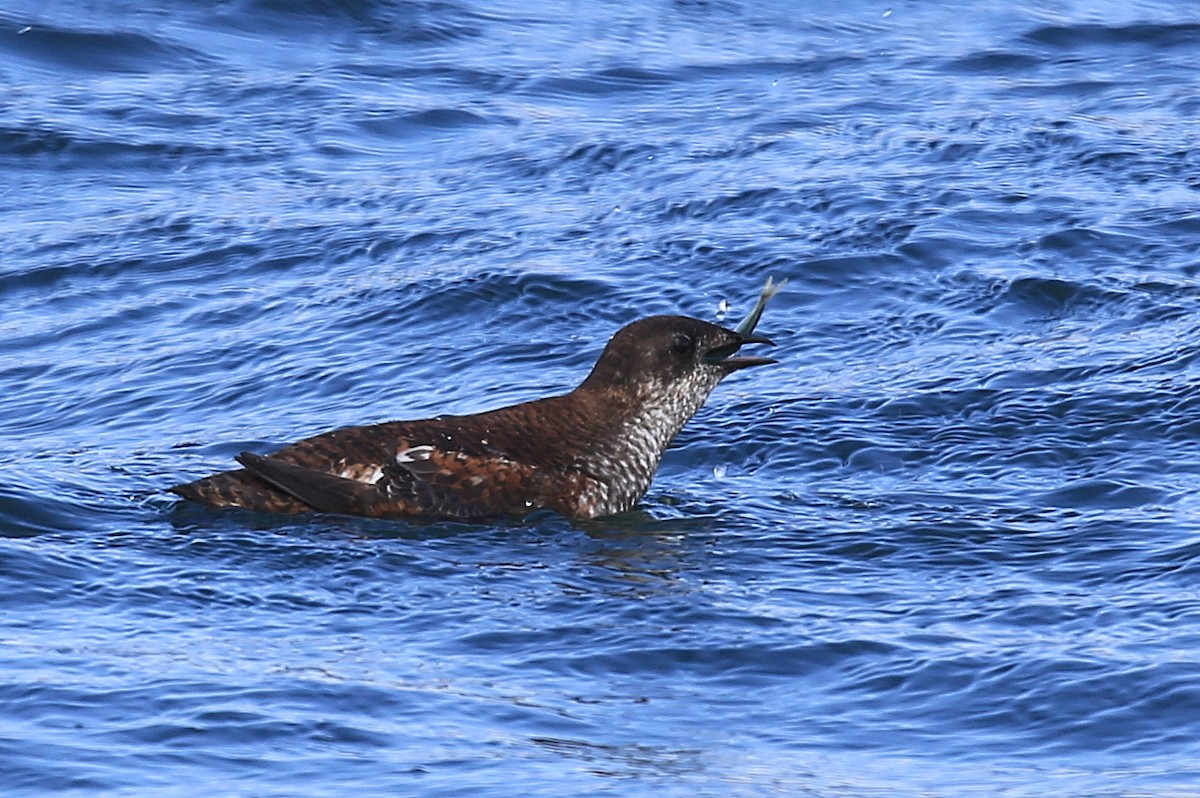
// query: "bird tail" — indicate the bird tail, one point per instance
point(239, 488)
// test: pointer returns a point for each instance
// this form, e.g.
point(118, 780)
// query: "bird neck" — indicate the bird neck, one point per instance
point(633, 426)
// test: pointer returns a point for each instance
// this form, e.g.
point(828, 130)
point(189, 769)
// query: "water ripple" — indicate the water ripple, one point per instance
point(946, 546)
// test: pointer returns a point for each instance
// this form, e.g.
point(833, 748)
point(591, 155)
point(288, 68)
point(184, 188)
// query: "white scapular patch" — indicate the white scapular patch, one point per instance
point(414, 454)
point(362, 473)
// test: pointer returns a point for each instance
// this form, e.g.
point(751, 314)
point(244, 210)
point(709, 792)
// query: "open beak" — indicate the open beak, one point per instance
point(723, 354)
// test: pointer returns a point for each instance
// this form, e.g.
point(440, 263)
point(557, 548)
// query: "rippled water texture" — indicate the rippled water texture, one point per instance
point(949, 546)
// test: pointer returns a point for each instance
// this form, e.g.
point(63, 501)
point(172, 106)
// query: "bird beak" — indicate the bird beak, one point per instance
point(723, 354)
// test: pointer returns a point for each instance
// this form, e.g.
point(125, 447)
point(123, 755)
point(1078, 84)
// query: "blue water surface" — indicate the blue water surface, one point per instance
point(949, 546)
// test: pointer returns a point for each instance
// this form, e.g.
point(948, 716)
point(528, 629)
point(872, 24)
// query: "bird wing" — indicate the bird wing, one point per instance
point(325, 492)
point(424, 480)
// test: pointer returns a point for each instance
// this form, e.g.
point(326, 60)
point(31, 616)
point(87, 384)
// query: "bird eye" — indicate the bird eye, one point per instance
point(682, 344)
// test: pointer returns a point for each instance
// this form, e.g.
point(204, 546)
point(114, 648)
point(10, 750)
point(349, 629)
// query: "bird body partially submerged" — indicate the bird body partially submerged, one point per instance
point(583, 454)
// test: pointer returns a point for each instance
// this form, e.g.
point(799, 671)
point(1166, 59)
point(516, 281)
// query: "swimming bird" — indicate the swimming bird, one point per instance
point(587, 453)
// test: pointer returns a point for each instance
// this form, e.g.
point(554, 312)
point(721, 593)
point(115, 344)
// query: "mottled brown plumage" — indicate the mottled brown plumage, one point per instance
point(589, 452)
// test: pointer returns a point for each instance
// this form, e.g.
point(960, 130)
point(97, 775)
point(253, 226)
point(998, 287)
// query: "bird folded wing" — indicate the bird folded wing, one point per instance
point(325, 492)
point(421, 480)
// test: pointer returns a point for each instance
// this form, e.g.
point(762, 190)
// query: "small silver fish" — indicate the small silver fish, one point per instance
point(769, 290)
